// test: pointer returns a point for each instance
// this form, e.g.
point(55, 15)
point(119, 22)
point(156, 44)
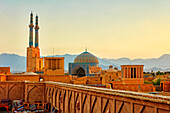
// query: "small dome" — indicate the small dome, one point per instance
point(29, 73)
point(116, 68)
point(86, 57)
point(111, 69)
point(110, 66)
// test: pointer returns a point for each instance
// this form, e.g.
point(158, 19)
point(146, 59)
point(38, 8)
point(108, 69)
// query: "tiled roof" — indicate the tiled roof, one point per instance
point(86, 57)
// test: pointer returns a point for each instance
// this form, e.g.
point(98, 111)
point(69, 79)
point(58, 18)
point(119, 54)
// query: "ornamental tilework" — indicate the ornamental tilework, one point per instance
point(86, 57)
point(83, 62)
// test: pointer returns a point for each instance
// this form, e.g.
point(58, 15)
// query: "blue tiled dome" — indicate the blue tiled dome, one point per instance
point(86, 57)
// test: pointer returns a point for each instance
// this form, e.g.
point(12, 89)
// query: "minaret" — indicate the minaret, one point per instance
point(31, 31)
point(34, 62)
point(36, 31)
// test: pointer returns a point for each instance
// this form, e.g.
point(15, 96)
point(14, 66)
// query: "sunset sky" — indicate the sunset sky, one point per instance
point(108, 28)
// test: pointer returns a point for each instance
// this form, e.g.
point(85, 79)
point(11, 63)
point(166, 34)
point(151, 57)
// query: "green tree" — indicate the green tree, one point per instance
point(146, 82)
point(157, 82)
point(153, 74)
point(158, 73)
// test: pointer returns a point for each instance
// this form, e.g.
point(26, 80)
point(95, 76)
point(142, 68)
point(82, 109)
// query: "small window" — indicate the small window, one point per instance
point(100, 78)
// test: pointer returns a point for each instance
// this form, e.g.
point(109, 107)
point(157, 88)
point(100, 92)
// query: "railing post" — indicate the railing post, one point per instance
point(66, 101)
point(80, 95)
point(112, 106)
point(90, 104)
point(132, 107)
point(101, 100)
point(156, 110)
point(74, 110)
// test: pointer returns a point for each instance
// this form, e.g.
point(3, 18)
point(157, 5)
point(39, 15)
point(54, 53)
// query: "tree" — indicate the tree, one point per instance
point(158, 73)
point(153, 74)
point(157, 82)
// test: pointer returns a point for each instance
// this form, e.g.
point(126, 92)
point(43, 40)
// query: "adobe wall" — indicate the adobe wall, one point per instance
point(133, 80)
point(79, 80)
point(34, 91)
point(166, 86)
point(54, 65)
point(28, 91)
point(5, 70)
point(33, 58)
point(36, 78)
point(69, 98)
point(122, 85)
point(86, 80)
point(134, 87)
point(54, 72)
point(30, 78)
point(2, 77)
point(57, 78)
point(94, 80)
point(12, 90)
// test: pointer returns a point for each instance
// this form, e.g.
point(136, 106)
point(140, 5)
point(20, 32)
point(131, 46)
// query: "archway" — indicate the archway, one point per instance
point(80, 72)
point(35, 94)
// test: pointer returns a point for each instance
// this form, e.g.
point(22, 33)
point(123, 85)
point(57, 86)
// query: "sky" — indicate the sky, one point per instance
point(108, 28)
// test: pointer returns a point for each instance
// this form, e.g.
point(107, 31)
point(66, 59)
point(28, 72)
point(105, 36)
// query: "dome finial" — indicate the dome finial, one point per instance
point(85, 49)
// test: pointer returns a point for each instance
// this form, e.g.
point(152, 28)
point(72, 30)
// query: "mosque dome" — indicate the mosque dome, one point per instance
point(86, 57)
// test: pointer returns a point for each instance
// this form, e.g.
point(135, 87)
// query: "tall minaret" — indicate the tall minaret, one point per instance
point(34, 62)
point(36, 31)
point(31, 31)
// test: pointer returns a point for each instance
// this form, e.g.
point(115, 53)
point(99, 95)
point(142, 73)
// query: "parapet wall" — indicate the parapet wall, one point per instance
point(28, 91)
point(134, 87)
point(69, 98)
point(36, 78)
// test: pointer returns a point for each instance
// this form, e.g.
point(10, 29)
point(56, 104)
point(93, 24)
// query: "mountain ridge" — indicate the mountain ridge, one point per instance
point(162, 63)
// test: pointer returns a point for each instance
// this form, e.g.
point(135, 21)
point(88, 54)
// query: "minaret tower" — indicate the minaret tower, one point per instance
point(34, 62)
point(36, 31)
point(31, 26)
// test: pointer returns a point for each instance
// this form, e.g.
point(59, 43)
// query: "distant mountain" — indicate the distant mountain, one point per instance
point(18, 63)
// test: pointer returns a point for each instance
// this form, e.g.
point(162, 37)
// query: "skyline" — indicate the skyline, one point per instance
point(108, 29)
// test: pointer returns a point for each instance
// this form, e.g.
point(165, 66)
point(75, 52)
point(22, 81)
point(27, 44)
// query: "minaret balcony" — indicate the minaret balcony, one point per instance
point(31, 25)
point(36, 28)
